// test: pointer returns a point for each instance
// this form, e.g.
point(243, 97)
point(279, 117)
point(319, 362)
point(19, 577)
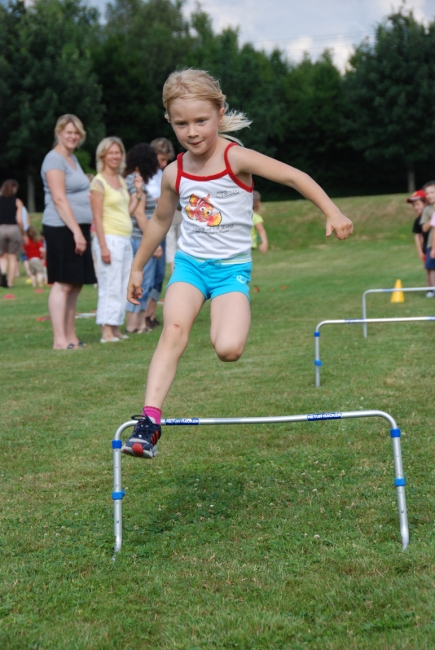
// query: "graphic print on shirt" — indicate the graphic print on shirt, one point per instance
point(200, 209)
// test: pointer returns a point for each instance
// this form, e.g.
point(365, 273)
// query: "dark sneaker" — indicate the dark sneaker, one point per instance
point(143, 440)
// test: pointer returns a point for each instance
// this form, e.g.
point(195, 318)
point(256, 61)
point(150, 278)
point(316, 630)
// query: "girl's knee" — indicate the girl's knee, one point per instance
point(174, 335)
point(229, 352)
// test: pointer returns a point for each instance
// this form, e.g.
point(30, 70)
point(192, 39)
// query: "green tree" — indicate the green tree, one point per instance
point(248, 78)
point(140, 44)
point(143, 41)
point(390, 93)
point(48, 72)
point(311, 132)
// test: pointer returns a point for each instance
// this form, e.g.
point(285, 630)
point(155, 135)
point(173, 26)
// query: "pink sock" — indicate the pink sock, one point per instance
point(153, 413)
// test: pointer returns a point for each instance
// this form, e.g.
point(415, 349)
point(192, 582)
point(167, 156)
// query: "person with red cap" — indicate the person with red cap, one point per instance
point(419, 202)
point(426, 226)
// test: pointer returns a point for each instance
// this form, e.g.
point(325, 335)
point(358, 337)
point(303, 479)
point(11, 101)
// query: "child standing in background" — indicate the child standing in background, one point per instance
point(418, 202)
point(212, 181)
point(427, 229)
point(34, 249)
point(258, 230)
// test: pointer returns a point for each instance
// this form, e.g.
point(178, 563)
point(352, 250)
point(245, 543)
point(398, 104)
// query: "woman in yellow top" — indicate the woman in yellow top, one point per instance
point(111, 207)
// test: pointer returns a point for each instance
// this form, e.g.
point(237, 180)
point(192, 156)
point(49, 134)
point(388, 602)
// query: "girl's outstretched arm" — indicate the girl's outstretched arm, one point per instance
point(247, 161)
point(155, 232)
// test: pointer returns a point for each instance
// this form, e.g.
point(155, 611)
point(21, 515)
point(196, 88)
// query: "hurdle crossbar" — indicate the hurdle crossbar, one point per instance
point(399, 478)
point(355, 321)
point(364, 299)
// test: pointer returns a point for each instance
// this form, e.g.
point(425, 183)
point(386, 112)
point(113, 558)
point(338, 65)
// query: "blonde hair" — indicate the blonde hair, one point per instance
point(256, 197)
point(198, 84)
point(104, 147)
point(69, 118)
point(163, 146)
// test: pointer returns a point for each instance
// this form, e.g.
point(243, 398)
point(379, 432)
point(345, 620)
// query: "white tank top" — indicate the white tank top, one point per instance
point(217, 213)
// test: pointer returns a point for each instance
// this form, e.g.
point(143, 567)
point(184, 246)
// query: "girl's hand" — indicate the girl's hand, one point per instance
point(341, 225)
point(138, 182)
point(80, 243)
point(105, 255)
point(134, 288)
point(422, 256)
point(263, 247)
point(432, 253)
point(158, 252)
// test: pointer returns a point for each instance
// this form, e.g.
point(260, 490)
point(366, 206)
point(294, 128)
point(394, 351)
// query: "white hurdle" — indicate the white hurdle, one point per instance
point(356, 321)
point(399, 478)
point(364, 300)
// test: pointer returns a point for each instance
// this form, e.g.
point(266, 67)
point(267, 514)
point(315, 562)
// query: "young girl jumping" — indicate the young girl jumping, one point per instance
point(213, 183)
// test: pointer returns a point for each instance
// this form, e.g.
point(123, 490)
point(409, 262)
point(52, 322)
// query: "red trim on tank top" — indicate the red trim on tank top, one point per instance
point(191, 177)
point(179, 172)
point(231, 173)
point(214, 177)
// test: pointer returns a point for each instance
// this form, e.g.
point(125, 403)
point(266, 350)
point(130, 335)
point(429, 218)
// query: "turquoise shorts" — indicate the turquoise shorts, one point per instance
point(212, 277)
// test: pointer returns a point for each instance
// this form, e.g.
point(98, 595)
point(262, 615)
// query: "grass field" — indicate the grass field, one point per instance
point(267, 537)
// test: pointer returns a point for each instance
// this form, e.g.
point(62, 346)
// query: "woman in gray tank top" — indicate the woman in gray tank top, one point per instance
point(67, 221)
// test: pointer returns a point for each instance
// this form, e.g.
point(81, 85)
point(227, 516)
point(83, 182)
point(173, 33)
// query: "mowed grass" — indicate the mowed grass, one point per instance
point(271, 536)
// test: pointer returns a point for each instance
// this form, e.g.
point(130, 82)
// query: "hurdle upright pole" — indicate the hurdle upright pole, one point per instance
point(355, 321)
point(118, 493)
point(364, 300)
point(399, 478)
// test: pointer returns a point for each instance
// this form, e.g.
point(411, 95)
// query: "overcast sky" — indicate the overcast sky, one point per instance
point(296, 26)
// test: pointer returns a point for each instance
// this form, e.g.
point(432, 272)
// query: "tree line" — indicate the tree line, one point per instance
point(367, 131)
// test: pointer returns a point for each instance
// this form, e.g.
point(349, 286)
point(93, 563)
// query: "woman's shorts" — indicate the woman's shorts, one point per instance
point(212, 277)
point(63, 263)
point(10, 240)
point(430, 261)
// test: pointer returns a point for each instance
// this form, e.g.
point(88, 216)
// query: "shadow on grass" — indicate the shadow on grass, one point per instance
point(202, 498)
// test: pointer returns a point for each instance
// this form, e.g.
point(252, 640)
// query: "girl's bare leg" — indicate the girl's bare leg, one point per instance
point(183, 303)
point(230, 322)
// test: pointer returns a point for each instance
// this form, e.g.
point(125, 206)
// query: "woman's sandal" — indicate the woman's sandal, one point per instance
point(144, 330)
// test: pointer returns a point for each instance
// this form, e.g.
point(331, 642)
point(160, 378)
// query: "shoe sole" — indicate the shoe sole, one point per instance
point(143, 452)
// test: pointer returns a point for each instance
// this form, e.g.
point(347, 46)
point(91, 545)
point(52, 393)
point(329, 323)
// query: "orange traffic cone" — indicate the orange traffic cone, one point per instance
point(397, 296)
